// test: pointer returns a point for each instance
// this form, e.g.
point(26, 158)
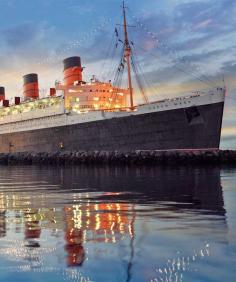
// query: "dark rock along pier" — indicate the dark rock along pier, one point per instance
point(217, 157)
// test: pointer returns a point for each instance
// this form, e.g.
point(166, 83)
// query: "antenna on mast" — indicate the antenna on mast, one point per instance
point(127, 54)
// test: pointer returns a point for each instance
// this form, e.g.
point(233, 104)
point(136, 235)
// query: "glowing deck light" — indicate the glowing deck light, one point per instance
point(14, 112)
point(76, 107)
point(72, 91)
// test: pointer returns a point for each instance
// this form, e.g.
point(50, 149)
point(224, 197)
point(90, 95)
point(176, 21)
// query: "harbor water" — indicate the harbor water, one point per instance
point(117, 223)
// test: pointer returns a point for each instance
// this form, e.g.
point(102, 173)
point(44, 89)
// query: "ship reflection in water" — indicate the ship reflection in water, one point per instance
point(116, 224)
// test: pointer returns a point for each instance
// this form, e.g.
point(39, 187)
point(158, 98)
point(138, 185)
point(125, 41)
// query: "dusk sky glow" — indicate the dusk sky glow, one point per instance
point(181, 45)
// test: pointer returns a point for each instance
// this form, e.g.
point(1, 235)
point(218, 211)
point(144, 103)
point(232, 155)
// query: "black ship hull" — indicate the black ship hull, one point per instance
point(188, 128)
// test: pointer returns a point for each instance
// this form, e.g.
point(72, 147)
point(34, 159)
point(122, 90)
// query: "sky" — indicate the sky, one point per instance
point(180, 45)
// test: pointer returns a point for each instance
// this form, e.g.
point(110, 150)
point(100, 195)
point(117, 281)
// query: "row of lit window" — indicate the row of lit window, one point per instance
point(86, 106)
point(91, 90)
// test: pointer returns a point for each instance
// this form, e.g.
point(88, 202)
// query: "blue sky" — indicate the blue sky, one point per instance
point(181, 45)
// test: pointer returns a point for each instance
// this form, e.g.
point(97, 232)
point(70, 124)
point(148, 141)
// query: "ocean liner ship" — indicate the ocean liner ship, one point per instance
point(100, 116)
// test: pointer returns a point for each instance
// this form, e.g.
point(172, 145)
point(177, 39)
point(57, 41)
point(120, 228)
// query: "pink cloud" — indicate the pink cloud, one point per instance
point(202, 25)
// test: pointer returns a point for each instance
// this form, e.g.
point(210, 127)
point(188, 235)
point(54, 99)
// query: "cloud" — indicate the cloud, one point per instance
point(228, 137)
point(21, 47)
point(25, 42)
point(217, 14)
point(84, 8)
point(229, 67)
point(202, 24)
point(23, 35)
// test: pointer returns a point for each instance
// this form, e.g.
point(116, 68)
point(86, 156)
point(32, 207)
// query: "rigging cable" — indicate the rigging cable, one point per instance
point(146, 81)
point(139, 82)
point(119, 70)
point(211, 82)
point(110, 56)
point(178, 68)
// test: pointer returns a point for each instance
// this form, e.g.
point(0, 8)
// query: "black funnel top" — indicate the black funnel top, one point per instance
point(72, 62)
point(2, 90)
point(30, 78)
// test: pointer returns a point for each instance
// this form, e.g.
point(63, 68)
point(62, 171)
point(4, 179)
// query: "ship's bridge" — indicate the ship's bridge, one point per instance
point(95, 95)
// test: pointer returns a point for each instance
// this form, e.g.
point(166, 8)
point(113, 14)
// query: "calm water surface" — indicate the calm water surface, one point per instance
point(117, 224)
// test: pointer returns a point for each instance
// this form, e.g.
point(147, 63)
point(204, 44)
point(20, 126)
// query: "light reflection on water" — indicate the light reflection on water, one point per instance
point(116, 224)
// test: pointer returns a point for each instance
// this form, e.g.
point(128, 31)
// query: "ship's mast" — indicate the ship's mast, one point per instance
point(127, 55)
